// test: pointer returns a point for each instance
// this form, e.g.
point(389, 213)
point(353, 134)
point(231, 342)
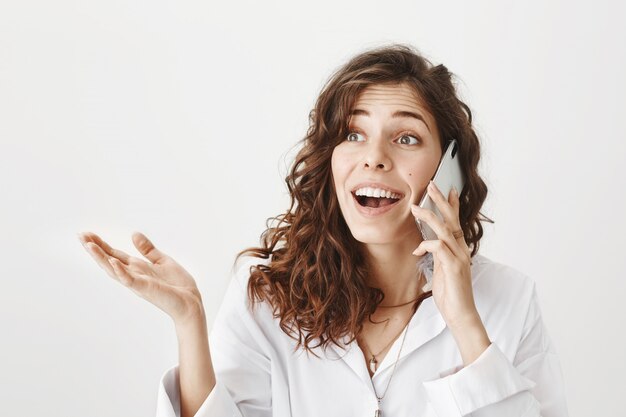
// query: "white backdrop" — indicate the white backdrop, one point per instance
point(179, 119)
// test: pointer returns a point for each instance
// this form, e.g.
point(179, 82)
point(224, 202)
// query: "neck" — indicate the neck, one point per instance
point(393, 269)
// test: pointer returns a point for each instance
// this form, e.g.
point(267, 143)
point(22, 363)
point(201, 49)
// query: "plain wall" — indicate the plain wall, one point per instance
point(179, 119)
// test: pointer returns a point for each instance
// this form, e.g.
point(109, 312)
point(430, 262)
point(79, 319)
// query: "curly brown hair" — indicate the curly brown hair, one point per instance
point(315, 280)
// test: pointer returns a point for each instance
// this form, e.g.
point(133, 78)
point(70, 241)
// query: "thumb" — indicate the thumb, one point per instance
point(147, 249)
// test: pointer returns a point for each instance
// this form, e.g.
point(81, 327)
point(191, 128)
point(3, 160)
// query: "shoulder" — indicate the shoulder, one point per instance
point(237, 337)
point(236, 295)
point(235, 319)
point(494, 279)
point(240, 272)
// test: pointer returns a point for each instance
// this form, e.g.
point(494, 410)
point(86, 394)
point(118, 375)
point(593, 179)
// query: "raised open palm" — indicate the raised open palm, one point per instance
point(160, 280)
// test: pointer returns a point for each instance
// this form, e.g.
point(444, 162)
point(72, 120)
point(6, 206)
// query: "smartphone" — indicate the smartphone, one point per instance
point(448, 174)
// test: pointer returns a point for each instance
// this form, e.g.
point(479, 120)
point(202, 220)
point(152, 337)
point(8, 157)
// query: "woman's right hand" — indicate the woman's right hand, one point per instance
point(161, 281)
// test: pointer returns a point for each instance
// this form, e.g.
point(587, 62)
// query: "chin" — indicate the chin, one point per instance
point(374, 237)
point(386, 234)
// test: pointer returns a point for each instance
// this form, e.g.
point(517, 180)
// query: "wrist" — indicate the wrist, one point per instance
point(465, 322)
point(471, 338)
point(193, 323)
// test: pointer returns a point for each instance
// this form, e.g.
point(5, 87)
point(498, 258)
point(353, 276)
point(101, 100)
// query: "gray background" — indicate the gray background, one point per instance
point(179, 119)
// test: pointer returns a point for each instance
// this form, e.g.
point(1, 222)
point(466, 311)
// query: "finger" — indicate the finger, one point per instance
point(439, 249)
point(455, 202)
point(442, 230)
point(448, 210)
point(136, 282)
point(116, 253)
point(147, 249)
point(101, 258)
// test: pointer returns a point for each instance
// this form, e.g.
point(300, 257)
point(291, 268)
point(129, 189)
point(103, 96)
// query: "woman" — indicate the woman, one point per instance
point(333, 314)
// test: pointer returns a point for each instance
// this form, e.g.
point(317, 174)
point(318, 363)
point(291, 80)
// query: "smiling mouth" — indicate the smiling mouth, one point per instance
point(374, 202)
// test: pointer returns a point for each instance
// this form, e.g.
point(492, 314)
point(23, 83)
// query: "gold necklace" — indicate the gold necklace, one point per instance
point(373, 362)
point(378, 412)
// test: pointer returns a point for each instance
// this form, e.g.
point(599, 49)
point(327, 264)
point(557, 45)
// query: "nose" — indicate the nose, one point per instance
point(376, 158)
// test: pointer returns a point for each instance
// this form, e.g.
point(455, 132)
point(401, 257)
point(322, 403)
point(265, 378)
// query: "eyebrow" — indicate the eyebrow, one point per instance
point(396, 114)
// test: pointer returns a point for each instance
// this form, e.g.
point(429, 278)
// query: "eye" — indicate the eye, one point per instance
point(353, 137)
point(405, 139)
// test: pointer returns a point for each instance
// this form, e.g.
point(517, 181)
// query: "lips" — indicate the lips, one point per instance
point(373, 184)
point(373, 211)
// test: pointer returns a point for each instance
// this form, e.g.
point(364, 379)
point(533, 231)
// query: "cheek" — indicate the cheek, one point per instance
point(339, 167)
point(418, 175)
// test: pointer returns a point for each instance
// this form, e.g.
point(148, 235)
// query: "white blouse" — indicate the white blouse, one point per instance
point(259, 375)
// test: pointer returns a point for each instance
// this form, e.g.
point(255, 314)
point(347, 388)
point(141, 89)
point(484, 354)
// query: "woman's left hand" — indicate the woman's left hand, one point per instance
point(452, 277)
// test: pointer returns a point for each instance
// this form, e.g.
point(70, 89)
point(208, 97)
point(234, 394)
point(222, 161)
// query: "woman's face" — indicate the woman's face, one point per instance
point(393, 145)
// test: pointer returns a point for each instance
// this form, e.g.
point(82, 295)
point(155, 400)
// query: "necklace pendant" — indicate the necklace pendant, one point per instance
point(378, 413)
point(373, 364)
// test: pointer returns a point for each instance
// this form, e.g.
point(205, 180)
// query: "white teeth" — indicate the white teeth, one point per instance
point(376, 192)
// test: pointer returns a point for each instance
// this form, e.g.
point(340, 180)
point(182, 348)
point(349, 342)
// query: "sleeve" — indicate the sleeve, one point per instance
point(529, 386)
point(241, 365)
